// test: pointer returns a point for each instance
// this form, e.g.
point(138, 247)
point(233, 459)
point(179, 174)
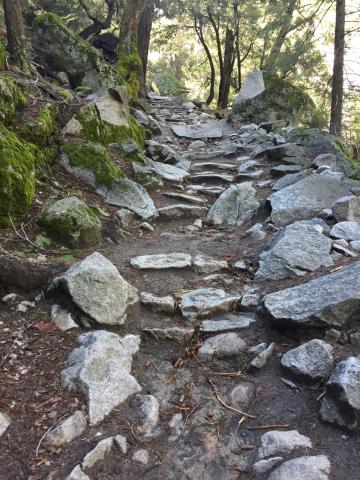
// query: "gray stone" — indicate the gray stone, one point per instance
point(214, 165)
point(236, 205)
point(224, 150)
point(242, 394)
point(342, 402)
point(289, 179)
point(98, 453)
point(256, 232)
point(355, 245)
point(77, 474)
point(332, 300)
point(257, 349)
point(62, 318)
point(223, 346)
point(343, 250)
point(182, 210)
point(313, 360)
point(158, 304)
point(126, 217)
point(168, 172)
point(347, 209)
point(161, 261)
point(251, 298)
point(281, 170)
point(148, 406)
point(240, 265)
point(308, 197)
point(184, 197)
point(263, 357)
point(97, 288)
point(263, 466)
point(227, 322)
point(278, 139)
point(197, 145)
point(204, 189)
point(204, 130)
point(303, 468)
point(204, 302)
point(176, 425)
point(177, 334)
point(355, 338)
point(141, 456)
point(121, 443)
point(129, 148)
point(346, 230)
point(204, 264)
point(248, 165)
point(295, 250)
point(5, 422)
point(205, 176)
point(278, 442)
point(66, 431)
point(100, 369)
point(328, 159)
point(161, 152)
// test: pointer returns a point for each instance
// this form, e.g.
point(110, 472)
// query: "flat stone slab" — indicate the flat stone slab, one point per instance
point(308, 197)
point(289, 179)
point(204, 189)
point(158, 304)
point(100, 368)
point(332, 299)
point(227, 322)
point(211, 176)
point(296, 249)
point(161, 261)
point(235, 205)
point(217, 166)
point(205, 264)
point(313, 360)
point(205, 302)
point(184, 197)
point(203, 130)
point(169, 172)
point(182, 210)
point(303, 468)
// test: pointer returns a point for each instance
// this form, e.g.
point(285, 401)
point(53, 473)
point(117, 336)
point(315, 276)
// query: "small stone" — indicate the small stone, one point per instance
point(69, 429)
point(197, 145)
point(226, 345)
point(126, 217)
point(149, 410)
point(181, 210)
point(227, 322)
point(240, 265)
point(146, 226)
point(9, 298)
point(257, 349)
point(141, 456)
point(204, 264)
point(313, 359)
point(303, 468)
point(98, 453)
point(176, 425)
point(177, 334)
point(161, 261)
point(121, 442)
point(242, 394)
point(158, 304)
point(77, 474)
point(262, 359)
point(263, 466)
point(203, 302)
point(347, 209)
point(5, 422)
point(62, 318)
point(282, 442)
point(355, 339)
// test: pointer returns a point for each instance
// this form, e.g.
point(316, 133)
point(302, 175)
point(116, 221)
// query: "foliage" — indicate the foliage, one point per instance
point(162, 77)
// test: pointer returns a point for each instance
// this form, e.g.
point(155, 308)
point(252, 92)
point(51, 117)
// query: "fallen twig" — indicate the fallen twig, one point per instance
point(265, 427)
point(46, 433)
point(229, 407)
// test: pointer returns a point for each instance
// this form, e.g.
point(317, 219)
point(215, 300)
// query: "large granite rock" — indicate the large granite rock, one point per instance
point(295, 250)
point(97, 288)
point(342, 402)
point(303, 468)
point(66, 52)
point(71, 222)
point(330, 300)
point(100, 368)
point(318, 142)
point(313, 360)
point(308, 197)
point(346, 230)
point(235, 205)
point(347, 209)
point(266, 97)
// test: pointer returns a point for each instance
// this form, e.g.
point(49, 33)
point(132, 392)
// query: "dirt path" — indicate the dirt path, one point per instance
point(213, 441)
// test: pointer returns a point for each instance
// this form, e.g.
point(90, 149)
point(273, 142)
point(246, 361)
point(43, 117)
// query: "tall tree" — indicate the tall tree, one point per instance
point(16, 34)
point(143, 39)
point(129, 24)
point(338, 70)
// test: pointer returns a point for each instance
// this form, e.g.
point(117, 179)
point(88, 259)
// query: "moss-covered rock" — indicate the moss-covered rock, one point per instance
point(265, 97)
point(72, 223)
point(2, 56)
point(317, 142)
point(18, 162)
point(91, 163)
point(41, 129)
point(66, 52)
point(12, 98)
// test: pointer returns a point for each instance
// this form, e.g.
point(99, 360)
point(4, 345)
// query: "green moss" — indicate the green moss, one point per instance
point(2, 56)
point(129, 68)
point(95, 158)
point(12, 98)
point(340, 145)
point(41, 129)
point(96, 130)
point(18, 161)
point(65, 95)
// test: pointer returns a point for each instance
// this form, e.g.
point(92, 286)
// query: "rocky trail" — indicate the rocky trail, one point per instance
point(217, 339)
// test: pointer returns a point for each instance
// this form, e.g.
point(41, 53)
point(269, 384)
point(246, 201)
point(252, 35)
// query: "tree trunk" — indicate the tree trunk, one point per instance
point(338, 70)
point(227, 69)
point(129, 23)
point(98, 25)
point(16, 34)
point(144, 33)
point(200, 34)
